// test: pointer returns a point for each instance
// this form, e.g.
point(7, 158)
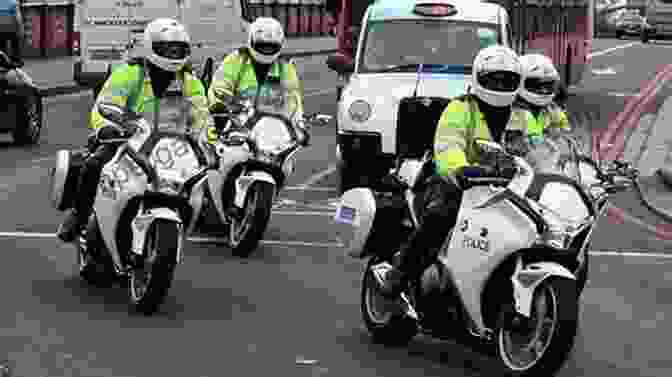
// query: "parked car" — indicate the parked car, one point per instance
point(20, 103)
point(631, 24)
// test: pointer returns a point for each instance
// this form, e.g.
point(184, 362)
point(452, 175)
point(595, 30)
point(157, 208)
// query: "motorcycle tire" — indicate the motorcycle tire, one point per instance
point(262, 200)
point(28, 120)
point(397, 329)
point(566, 312)
point(165, 237)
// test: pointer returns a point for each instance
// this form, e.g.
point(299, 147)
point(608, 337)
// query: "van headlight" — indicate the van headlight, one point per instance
point(359, 111)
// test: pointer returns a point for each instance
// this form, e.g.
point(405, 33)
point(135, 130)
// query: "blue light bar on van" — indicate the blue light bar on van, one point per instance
point(434, 8)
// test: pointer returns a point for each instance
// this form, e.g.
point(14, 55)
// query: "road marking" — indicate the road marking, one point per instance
point(313, 179)
point(319, 92)
point(195, 239)
point(199, 239)
point(302, 213)
point(631, 254)
point(619, 94)
point(612, 49)
point(605, 71)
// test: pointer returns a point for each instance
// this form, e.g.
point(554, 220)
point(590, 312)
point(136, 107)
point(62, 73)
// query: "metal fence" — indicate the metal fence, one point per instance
point(300, 18)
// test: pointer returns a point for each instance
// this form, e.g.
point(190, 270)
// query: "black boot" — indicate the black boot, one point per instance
point(70, 228)
point(391, 280)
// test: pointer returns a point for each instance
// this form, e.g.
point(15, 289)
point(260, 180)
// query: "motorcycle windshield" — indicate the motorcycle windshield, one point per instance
point(271, 135)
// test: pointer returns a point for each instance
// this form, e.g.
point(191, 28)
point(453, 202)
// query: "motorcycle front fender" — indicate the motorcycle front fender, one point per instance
point(142, 222)
point(526, 280)
point(244, 182)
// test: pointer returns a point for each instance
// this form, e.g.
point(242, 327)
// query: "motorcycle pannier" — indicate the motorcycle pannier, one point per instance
point(370, 223)
point(64, 178)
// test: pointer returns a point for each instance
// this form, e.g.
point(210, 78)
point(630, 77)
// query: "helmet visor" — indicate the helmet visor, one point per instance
point(541, 86)
point(171, 49)
point(266, 48)
point(499, 81)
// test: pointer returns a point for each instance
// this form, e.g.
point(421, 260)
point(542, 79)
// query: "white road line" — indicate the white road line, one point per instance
point(631, 254)
point(318, 92)
point(339, 244)
point(192, 239)
point(303, 213)
point(612, 49)
point(318, 176)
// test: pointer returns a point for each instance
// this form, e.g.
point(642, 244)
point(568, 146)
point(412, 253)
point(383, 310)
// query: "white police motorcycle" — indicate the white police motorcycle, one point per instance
point(137, 227)
point(256, 154)
point(506, 274)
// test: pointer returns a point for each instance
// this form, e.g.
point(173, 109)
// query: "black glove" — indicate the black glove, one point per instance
point(506, 166)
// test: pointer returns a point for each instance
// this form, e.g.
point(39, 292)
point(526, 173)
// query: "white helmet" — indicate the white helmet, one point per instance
point(496, 75)
point(540, 79)
point(266, 39)
point(167, 44)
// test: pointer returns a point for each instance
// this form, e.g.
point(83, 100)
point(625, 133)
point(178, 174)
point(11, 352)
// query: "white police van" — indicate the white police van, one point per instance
point(112, 30)
point(412, 57)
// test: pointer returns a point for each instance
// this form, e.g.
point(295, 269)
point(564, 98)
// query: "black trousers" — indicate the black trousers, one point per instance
point(441, 205)
point(89, 176)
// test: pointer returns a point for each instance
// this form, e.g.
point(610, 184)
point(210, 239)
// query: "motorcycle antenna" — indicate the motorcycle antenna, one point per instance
point(417, 80)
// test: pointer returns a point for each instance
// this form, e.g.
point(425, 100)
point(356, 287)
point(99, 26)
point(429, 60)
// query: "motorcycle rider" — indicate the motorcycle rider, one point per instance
point(256, 72)
point(483, 113)
point(167, 48)
point(535, 105)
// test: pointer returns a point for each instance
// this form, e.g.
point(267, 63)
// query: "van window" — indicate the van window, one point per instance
point(442, 43)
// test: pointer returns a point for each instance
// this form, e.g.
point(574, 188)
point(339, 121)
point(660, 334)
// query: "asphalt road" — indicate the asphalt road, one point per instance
point(293, 307)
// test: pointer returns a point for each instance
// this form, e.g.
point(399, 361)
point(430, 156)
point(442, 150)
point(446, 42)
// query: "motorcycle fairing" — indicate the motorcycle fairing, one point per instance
point(143, 221)
point(483, 238)
point(245, 181)
point(111, 199)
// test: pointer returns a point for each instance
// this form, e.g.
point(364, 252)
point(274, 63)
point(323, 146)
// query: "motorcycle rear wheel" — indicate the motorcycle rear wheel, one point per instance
point(560, 296)
point(148, 286)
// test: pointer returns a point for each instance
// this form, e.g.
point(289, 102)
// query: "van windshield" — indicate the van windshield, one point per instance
point(439, 43)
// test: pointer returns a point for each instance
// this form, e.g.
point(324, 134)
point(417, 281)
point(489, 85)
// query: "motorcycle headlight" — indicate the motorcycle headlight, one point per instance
point(360, 111)
point(169, 186)
point(556, 238)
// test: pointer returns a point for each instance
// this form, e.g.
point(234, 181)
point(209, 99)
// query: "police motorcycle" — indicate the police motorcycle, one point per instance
point(256, 152)
point(504, 279)
point(137, 227)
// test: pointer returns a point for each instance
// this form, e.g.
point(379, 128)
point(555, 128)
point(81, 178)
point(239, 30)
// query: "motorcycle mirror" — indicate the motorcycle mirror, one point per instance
point(319, 119)
point(111, 112)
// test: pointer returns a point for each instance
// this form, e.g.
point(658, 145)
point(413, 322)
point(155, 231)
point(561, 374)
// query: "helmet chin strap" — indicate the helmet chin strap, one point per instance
point(160, 79)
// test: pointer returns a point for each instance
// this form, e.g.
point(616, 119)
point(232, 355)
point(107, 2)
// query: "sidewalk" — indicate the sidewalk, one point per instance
point(55, 76)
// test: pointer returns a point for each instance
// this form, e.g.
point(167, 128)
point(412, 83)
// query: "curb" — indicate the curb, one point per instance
point(648, 203)
point(75, 88)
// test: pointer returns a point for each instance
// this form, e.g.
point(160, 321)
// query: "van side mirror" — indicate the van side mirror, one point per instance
point(340, 64)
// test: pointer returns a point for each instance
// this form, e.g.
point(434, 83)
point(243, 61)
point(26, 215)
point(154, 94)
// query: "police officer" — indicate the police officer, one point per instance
point(255, 72)
point(483, 113)
point(139, 85)
point(534, 105)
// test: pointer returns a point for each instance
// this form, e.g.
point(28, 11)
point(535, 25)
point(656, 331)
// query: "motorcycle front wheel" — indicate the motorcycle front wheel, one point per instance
point(150, 282)
point(540, 345)
point(382, 316)
point(245, 233)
